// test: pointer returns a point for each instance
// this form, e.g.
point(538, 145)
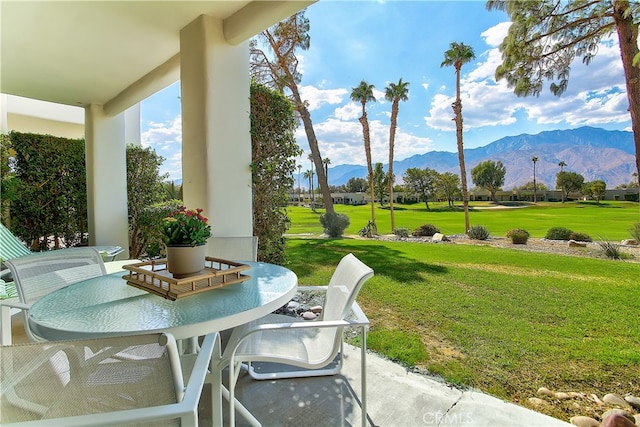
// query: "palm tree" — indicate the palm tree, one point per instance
point(458, 55)
point(394, 93)
point(308, 174)
point(534, 159)
point(363, 93)
point(312, 195)
point(562, 164)
point(299, 195)
point(326, 162)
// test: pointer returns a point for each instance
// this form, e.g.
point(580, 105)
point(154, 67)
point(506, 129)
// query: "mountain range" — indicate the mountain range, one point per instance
point(592, 152)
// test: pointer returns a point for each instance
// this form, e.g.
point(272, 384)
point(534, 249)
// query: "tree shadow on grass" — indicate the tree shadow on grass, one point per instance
point(309, 254)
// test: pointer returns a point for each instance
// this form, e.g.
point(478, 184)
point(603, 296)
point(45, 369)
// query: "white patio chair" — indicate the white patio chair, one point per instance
point(234, 248)
point(39, 274)
point(74, 383)
point(309, 346)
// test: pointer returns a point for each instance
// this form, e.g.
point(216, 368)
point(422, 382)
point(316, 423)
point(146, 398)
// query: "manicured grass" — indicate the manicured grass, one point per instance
point(504, 321)
point(608, 220)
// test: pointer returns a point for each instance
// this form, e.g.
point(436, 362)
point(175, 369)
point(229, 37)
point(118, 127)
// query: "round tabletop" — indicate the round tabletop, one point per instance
point(108, 306)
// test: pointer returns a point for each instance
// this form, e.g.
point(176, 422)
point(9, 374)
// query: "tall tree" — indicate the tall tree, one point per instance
point(312, 193)
point(534, 159)
point(281, 72)
point(458, 55)
point(490, 176)
point(363, 93)
point(546, 36)
point(562, 164)
point(448, 187)
point(421, 183)
point(326, 162)
point(394, 93)
point(569, 182)
point(381, 183)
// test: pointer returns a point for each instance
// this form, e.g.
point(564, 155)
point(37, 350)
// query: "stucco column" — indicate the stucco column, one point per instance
point(106, 179)
point(216, 145)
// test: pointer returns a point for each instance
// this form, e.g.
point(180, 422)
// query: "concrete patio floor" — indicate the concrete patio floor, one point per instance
point(395, 398)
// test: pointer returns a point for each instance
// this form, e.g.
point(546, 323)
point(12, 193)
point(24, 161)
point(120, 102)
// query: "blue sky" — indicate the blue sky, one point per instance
point(383, 41)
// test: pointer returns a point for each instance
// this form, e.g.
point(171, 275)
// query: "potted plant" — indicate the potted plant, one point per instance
point(185, 234)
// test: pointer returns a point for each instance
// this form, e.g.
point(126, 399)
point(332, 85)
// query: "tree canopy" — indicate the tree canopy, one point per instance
point(546, 36)
point(490, 176)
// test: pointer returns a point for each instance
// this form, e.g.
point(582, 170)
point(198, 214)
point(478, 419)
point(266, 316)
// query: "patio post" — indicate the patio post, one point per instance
point(216, 144)
point(106, 178)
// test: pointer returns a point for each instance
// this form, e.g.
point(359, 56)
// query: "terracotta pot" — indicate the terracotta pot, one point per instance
point(184, 261)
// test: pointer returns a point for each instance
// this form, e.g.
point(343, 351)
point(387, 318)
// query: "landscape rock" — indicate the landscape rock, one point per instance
point(582, 421)
point(597, 399)
point(309, 315)
point(633, 401)
point(617, 418)
point(560, 395)
point(316, 309)
point(576, 244)
point(536, 401)
point(545, 391)
point(439, 237)
point(614, 399)
point(629, 242)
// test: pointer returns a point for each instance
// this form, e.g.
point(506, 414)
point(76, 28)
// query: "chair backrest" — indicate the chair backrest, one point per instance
point(39, 274)
point(10, 246)
point(56, 380)
point(244, 248)
point(344, 286)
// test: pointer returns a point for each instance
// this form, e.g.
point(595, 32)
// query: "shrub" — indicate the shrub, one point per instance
point(635, 232)
point(612, 250)
point(427, 230)
point(478, 232)
point(580, 237)
point(518, 236)
point(558, 233)
point(401, 232)
point(368, 230)
point(334, 223)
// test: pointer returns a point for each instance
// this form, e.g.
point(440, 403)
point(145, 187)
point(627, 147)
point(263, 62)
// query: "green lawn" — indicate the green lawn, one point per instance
point(504, 321)
point(607, 220)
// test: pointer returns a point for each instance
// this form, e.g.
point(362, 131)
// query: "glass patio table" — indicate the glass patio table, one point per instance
point(107, 306)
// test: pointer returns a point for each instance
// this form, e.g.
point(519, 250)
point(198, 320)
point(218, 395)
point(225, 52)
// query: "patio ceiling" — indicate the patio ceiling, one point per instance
point(113, 53)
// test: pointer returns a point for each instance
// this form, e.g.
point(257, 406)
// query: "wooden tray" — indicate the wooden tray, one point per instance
point(152, 276)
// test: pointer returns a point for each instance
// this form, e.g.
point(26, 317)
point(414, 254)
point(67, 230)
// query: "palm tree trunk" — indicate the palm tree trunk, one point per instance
point(457, 109)
point(392, 138)
point(367, 149)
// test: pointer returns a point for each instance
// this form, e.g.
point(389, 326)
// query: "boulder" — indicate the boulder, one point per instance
point(576, 244)
point(629, 242)
point(439, 237)
point(617, 419)
point(633, 401)
point(545, 391)
point(581, 421)
point(308, 315)
point(614, 399)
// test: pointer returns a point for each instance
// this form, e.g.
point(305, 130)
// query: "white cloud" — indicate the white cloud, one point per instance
point(425, 86)
point(318, 97)
point(341, 140)
point(166, 139)
point(494, 35)
point(595, 95)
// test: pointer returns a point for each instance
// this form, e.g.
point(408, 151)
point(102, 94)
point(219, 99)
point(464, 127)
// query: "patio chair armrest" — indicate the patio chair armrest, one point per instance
point(200, 369)
point(14, 303)
point(313, 288)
